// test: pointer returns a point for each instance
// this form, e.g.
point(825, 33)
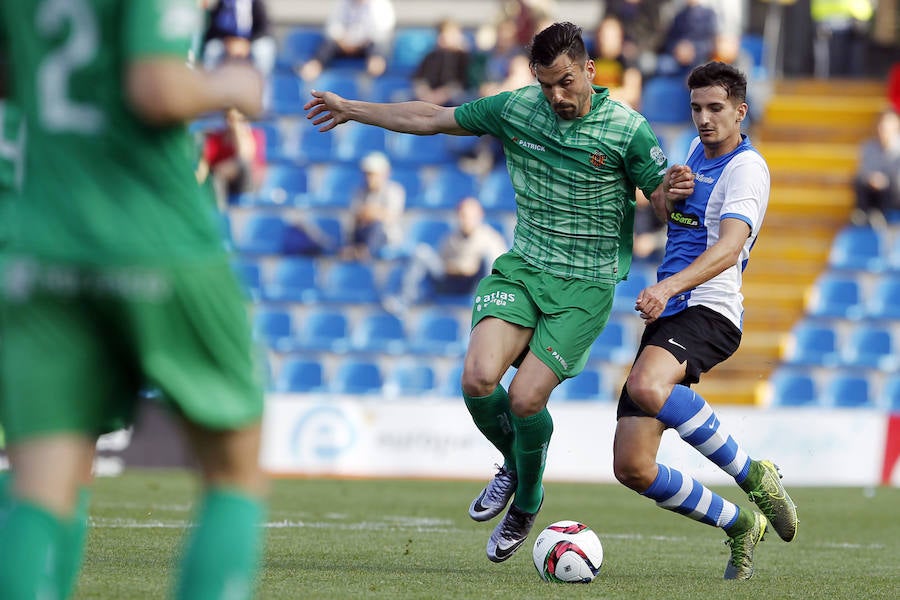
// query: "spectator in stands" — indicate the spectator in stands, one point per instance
point(690, 39)
point(355, 28)
point(530, 16)
point(235, 156)
point(612, 68)
point(877, 180)
point(500, 59)
point(377, 210)
point(239, 29)
point(442, 76)
point(463, 257)
point(841, 36)
point(644, 27)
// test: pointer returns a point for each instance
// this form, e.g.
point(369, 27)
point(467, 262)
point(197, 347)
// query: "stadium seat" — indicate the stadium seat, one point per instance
point(357, 140)
point(452, 385)
point(836, 295)
point(666, 100)
point(794, 387)
point(411, 44)
point(298, 45)
point(338, 185)
point(284, 183)
point(349, 282)
point(390, 88)
point(249, 275)
point(496, 192)
point(343, 82)
point(381, 333)
point(324, 330)
point(613, 345)
point(314, 145)
point(300, 375)
point(331, 228)
point(870, 346)
point(587, 385)
point(891, 394)
point(417, 150)
point(261, 234)
point(627, 290)
point(857, 248)
point(813, 343)
point(275, 151)
point(284, 92)
point(274, 327)
point(885, 300)
point(294, 280)
point(410, 379)
point(439, 333)
point(409, 178)
point(425, 230)
point(849, 390)
point(449, 186)
point(358, 377)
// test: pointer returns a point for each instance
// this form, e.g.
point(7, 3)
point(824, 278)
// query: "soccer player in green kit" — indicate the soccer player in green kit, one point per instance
point(114, 277)
point(575, 157)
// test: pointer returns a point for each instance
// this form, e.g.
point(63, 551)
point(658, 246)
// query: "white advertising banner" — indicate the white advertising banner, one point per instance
point(379, 438)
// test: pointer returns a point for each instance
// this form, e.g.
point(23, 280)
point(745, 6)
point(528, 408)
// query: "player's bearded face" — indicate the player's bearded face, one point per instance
point(567, 86)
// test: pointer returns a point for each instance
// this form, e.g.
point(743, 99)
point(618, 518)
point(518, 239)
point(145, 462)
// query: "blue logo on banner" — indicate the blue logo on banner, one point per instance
point(322, 433)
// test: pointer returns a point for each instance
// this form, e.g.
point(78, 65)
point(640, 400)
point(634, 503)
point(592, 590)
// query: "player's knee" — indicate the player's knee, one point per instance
point(645, 391)
point(525, 402)
point(632, 474)
point(477, 383)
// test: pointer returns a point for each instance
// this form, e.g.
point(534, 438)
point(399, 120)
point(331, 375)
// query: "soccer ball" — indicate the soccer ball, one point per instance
point(568, 552)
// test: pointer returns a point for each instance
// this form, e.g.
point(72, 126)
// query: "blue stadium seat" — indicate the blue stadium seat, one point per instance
point(836, 295)
point(261, 234)
point(627, 290)
point(425, 230)
point(813, 343)
point(342, 82)
point(666, 100)
point(314, 145)
point(587, 385)
point(409, 178)
point(870, 346)
point(794, 387)
point(451, 386)
point(249, 275)
point(357, 376)
point(891, 394)
point(324, 330)
point(331, 228)
point(284, 91)
point(613, 345)
point(349, 282)
point(273, 326)
point(357, 140)
point(300, 375)
point(410, 379)
point(857, 248)
point(754, 46)
point(294, 280)
point(449, 186)
point(417, 150)
point(390, 88)
point(338, 185)
point(849, 390)
point(439, 333)
point(284, 183)
point(275, 151)
point(496, 192)
point(298, 45)
point(885, 300)
point(411, 44)
point(381, 332)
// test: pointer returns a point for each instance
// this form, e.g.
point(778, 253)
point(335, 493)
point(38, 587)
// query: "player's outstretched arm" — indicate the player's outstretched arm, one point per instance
point(165, 90)
point(328, 110)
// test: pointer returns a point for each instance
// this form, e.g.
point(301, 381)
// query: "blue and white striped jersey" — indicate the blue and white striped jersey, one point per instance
point(734, 186)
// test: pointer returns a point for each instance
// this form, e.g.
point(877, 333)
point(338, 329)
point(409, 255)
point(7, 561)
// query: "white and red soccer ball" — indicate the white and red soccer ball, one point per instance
point(568, 552)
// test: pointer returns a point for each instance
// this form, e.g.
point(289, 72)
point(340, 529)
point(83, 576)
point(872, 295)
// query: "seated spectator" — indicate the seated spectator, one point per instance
point(612, 68)
point(355, 28)
point(235, 156)
point(642, 21)
point(841, 36)
point(461, 260)
point(442, 76)
point(376, 210)
point(690, 39)
point(239, 29)
point(498, 57)
point(877, 180)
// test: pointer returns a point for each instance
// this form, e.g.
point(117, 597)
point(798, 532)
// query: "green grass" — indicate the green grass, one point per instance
point(413, 539)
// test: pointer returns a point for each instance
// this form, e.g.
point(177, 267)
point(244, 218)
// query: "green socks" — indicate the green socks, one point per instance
point(29, 550)
point(493, 419)
point(531, 440)
point(222, 555)
point(71, 548)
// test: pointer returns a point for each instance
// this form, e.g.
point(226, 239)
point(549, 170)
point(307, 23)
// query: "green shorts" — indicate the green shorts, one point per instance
point(80, 342)
point(566, 314)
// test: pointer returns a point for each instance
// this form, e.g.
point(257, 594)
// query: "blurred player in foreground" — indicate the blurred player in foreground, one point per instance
point(575, 157)
point(694, 315)
point(116, 277)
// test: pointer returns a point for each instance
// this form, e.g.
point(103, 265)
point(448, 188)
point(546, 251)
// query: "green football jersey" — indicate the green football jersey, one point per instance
point(12, 139)
point(100, 186)
point(574, 184)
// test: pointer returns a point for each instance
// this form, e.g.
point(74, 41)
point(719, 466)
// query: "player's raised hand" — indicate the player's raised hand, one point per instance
point(327, 108)
point(678, 184)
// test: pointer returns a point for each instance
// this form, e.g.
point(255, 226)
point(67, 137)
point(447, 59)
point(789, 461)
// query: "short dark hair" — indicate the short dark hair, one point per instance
point(723, 75)
point(556, 40)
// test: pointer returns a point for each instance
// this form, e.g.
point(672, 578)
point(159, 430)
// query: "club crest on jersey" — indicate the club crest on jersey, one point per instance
point(598, 159)
point(686, 220)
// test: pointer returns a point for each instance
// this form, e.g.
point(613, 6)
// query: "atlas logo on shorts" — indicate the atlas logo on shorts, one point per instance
point(499, 298)
point(558, 357)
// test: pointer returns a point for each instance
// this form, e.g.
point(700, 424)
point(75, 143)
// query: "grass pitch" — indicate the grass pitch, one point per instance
point(413, 539)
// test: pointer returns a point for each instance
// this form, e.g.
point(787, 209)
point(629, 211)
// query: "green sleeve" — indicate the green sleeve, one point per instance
point(483, 115)
point(160, 27)
point(645, 160)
